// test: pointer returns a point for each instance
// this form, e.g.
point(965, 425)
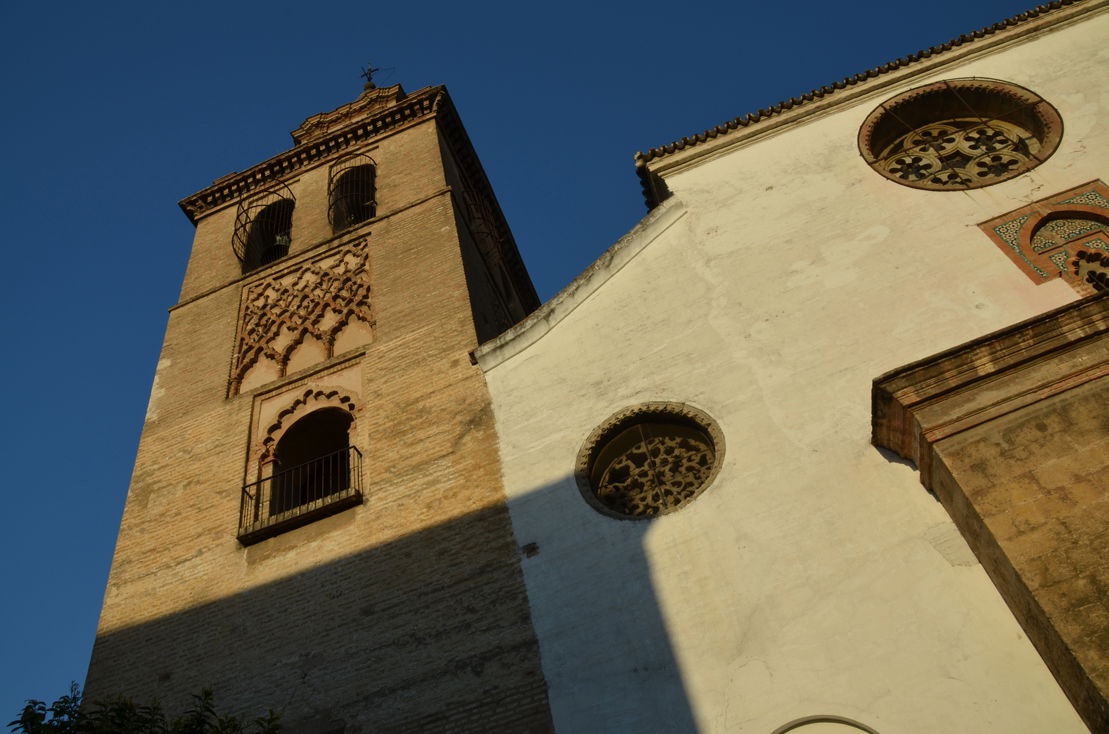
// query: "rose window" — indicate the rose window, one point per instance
point(960, 134)
point(649, 460)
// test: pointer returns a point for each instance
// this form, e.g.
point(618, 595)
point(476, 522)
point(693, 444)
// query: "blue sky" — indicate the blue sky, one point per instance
point(112, 112)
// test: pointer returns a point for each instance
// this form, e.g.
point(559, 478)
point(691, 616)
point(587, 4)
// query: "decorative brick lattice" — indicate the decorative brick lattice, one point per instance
point(317, 299)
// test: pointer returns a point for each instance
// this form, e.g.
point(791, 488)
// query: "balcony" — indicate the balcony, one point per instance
point(300, 494)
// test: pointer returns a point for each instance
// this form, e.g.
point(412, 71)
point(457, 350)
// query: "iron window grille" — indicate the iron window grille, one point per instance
point(352, 192)
point(263, 227)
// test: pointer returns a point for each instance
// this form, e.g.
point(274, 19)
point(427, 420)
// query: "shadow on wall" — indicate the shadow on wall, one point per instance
point(429, 633)
point(604, 642)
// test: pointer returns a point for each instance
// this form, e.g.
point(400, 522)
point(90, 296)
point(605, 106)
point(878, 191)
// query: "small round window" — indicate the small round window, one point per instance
point(960, 134)
point(649, 460)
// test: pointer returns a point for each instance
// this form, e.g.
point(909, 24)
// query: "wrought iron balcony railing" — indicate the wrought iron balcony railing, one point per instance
point(300, 494)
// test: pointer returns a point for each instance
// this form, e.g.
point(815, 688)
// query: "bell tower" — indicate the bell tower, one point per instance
point(316, 522)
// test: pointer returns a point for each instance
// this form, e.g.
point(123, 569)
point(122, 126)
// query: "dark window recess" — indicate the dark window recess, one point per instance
point(353, 197)
point(317, 473)
point(269, 236)
point(312, 461)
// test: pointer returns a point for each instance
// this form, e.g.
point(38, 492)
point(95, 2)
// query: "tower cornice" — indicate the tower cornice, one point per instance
point(377, 112)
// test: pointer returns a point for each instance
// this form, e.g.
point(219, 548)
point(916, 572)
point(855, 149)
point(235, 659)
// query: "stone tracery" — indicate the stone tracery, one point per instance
point(649, 460)
point(958, 153)
point(960, 134)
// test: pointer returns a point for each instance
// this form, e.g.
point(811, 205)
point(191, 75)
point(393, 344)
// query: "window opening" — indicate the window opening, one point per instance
point(352, 185)
point(307, 469)
point(649, 460)
point(960, 134)
point(269, 236)
point(353, 198)
point(313, 460)
point(263, 227)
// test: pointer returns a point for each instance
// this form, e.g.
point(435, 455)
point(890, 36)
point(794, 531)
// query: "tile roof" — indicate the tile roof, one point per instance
point(641, 159)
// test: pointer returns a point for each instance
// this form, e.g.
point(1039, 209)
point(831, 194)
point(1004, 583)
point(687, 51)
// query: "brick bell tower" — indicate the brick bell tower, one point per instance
point(316, 522)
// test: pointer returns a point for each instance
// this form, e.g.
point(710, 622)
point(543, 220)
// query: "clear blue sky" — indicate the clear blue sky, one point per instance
point(112, 112)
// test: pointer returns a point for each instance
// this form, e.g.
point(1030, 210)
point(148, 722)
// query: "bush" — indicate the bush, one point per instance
point(124, 716)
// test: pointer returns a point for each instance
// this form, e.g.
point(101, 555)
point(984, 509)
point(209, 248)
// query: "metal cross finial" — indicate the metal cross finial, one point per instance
point(368, 75)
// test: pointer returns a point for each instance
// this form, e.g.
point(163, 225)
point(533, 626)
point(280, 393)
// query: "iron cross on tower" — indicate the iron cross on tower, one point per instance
point(368, 75)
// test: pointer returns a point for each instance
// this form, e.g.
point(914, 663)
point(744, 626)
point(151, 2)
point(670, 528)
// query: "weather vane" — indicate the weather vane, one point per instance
point(368, 75)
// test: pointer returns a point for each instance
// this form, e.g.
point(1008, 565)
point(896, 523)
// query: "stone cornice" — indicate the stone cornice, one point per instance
point(319, 143)
point(318, 126)
point(375, 113)
point(654, 188)
point(933, 399)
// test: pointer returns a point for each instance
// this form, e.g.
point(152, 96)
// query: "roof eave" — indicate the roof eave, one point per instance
point(656, 163)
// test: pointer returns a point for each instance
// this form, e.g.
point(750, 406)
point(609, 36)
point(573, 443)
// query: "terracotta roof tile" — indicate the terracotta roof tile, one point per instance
point(641, 159)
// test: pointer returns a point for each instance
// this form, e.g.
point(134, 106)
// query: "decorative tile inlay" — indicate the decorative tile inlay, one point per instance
point(1056, 232)
point(1089, 198)
point(1045, 238)
point(316, 300)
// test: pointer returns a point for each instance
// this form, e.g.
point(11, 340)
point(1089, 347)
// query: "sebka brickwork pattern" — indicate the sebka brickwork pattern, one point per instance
point(318, 299)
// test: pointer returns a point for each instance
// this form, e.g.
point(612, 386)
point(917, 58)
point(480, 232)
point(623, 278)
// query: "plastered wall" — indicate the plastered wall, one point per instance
point(815, 576)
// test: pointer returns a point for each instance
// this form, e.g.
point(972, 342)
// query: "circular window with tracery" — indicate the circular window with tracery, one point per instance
point(960, 134)
point(649, 460)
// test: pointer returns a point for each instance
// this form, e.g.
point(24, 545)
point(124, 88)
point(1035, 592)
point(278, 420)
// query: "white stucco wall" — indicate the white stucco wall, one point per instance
point(815, 576)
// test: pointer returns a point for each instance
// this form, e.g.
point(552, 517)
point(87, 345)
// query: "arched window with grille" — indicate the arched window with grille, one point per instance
point(313, 460)
point(270, 235)
point(352, 192)
point(308, 468)
point(263, 227)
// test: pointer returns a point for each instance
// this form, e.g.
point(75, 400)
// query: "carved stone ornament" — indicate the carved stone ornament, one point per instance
point(649, 460)
point(307, 401)
point(300, 316)
point(960, 134)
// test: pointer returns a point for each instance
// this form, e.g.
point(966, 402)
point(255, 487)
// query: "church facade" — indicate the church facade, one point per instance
point(819, 446)
point(762, 324)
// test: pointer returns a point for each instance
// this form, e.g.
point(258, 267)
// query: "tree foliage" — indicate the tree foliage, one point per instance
point(67, 715)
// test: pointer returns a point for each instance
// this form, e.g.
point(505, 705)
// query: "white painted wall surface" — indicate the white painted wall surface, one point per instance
point(815, 576)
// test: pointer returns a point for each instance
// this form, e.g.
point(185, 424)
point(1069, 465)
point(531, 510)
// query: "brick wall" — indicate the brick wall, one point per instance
point(406, 613)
